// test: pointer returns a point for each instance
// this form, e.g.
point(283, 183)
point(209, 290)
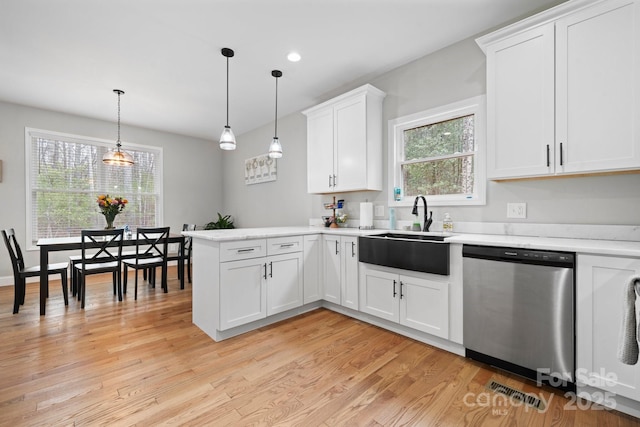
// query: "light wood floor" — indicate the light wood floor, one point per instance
point(144, 363)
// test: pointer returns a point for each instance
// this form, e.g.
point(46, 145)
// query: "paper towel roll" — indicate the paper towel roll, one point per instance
point(366, 215)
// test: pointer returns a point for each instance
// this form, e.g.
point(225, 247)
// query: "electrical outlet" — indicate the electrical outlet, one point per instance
point(379, 210)
point(516, 210)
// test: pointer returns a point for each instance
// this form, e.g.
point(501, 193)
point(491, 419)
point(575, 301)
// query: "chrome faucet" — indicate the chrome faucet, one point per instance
point(414, 211)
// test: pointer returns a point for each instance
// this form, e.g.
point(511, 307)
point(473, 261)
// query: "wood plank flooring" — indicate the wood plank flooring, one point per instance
point(144, 363)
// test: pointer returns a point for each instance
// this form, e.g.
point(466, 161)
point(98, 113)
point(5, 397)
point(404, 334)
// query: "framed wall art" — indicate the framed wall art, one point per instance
point(260, 169)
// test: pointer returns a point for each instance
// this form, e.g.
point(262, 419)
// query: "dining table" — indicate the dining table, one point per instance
point(74, 243)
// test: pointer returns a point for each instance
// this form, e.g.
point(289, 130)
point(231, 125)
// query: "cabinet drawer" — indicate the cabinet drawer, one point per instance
point(242, 249)
point(284, 245)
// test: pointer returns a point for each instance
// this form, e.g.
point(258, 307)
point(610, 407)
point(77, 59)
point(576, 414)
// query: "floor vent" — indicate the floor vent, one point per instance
point(527, 399)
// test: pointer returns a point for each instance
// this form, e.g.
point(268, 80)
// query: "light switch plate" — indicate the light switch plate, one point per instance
point(516, 210)
point(379, 210)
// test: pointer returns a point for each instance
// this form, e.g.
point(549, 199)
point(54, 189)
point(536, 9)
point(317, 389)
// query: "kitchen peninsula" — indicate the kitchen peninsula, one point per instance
point(251, 277)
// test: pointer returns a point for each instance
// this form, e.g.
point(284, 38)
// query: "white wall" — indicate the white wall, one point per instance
point(192, 171)
point(451, 74)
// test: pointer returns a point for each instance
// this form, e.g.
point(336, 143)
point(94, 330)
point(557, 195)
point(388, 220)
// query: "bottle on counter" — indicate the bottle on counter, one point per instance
point(392, 219)
point(447, 224)
point(416, 224)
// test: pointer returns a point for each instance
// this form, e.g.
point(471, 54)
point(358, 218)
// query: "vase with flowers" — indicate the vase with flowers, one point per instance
point(110, 207)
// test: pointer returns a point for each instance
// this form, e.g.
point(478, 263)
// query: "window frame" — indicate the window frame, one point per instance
point(30, 133)
point(471, 106)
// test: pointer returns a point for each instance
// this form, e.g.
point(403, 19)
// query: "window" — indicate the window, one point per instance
point(438, 154)
point(65, 175)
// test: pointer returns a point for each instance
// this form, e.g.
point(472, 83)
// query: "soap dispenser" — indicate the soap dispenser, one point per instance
point(447, 224)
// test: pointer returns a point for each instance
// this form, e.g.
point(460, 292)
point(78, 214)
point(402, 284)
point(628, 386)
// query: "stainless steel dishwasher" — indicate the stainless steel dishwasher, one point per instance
point(519, 311)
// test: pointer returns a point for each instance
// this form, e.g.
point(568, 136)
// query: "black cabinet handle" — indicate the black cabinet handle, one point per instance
point(394, 289)
point(337, 245)
point(401, 295)
point(270, 269)
point(265, 271)
point(548, 160)
point(241, 251)
point(561, 157)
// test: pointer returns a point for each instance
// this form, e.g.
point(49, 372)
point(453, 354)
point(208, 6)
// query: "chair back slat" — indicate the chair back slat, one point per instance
point(187, 239)
point(152, 242)
point(17, 261)
point(107, 242)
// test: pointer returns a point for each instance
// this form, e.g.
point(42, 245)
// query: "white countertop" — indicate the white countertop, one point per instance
point(592, 246)
point(266, 232)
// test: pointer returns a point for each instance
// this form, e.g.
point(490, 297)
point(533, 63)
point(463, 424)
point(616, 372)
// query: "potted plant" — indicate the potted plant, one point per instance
point(222, 223)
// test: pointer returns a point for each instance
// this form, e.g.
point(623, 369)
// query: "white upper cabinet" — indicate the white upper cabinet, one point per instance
point(563, 91)
point(520, 87)
point(344, 142)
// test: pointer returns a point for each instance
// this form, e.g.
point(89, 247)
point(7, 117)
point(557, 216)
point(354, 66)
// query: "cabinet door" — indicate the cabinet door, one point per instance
point(600, 290)
point(284, 282)
point(312, 268)
point(424, 305)
point(331, 264)
point(379, 293)
point(350, 154)
point(243, 292)
point(320, 151)
point(349, 273)
point(520, 104)
point(598, 88)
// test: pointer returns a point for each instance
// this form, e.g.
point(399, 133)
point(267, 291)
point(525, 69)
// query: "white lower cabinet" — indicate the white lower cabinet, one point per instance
point(243, 292)
point(340, 268)
point(252, 289)
point(421, 303)
point(312, 268)
point(601, 282)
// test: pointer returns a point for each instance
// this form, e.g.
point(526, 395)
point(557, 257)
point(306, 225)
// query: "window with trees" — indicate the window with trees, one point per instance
point(65, 176)
point(437, 153)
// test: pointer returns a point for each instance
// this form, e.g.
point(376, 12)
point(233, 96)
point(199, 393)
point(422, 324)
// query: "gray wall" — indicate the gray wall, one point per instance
point(277, 203)
point(192, 170)
point(451, 74)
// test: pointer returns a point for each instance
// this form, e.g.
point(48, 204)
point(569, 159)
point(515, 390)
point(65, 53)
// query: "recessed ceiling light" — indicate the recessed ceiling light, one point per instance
point(294, 57)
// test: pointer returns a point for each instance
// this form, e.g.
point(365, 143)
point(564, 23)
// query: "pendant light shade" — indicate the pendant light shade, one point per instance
point(118, 157)
point(275, 149)
point(227, 139)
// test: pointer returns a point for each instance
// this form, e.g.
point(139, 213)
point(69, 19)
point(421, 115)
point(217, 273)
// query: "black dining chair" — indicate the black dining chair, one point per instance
point(20, 272)
point(151, 252)
point(186, 256)
point(101, 253)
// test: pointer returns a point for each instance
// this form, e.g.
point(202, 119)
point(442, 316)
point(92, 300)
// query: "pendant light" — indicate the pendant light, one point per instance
point(227, 139)
point(118, 157)
point(275, 149)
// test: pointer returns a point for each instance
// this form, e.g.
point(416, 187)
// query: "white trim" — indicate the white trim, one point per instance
point(476, 106)
point(539, 19)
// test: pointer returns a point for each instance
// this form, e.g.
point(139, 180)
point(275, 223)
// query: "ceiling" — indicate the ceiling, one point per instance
point(68, 55)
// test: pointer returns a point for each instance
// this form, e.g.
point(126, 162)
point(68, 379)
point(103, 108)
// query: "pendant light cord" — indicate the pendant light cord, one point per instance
point(118, 120)
point(227, 91)
point(276, 120)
